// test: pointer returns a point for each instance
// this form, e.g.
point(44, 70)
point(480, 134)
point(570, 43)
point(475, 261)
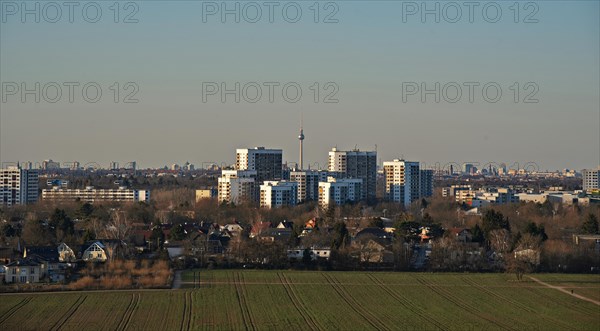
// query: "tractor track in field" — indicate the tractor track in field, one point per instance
point(186, 321)
point(405, 303)
point(501, 297)
point(564, 326)
point(572, 306)
point(297, 303)
point(246, 315)
point(464, 305)
point(14, 309)
point(65, 317)
point(133, 304)
point(353, 304)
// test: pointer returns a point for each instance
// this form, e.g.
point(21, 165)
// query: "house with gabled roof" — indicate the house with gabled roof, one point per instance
point(26, 270)
point(102, 250)
point(259, 227)
point(48, 253)
point(285, 225)
point(65, 253)
point(275, 234)
point(461, 234)
point(47, 256)
point(235, 229)
point(94, 252)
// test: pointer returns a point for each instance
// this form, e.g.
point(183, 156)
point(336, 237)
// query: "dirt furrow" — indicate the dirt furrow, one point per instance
point(63, 319)
point(405, 303)
point(14, 309)
point(464, 305)
point(353, 304)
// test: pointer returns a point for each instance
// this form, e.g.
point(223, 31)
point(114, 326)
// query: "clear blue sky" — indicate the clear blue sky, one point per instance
point(369, 54)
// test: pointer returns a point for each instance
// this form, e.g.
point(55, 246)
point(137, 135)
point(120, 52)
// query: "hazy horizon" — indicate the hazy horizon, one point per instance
point(367, 55)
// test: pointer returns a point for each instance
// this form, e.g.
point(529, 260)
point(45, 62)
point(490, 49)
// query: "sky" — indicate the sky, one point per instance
point(371, 62)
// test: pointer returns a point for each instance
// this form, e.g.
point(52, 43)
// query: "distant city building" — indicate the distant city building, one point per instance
point(188, 167)
point(555, 196)
point(275, 194)
point(18, 186)
point(426, 183)
point(174, 167)
point(308, 184)
point(50, 165)
point(482, 197)
point(591, 179)
point(268, 163)
point(402, 181)
point(452, 190)
point(93, 195)
point(340, 191)
point(236, 186)
point(469, 168)
point(499, 195)
point(57, 182)
point(356, 164)
point(75, 166)
point(114, 165)
point(209, 193)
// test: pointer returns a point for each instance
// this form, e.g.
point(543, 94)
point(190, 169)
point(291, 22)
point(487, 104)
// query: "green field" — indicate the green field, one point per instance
point(295, 300)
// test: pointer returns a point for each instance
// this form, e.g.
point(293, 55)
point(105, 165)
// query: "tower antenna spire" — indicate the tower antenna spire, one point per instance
point(301, 138)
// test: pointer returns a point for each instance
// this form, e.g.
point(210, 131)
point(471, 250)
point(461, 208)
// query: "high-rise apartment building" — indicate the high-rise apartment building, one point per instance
point(274, 194)
point(340, 191)
point(18, 186)
point(268, 163)
point(356, 164)
point(236, 186)
point(402, 181)
point(426, 185)
point(308, 184)
point(591, 179)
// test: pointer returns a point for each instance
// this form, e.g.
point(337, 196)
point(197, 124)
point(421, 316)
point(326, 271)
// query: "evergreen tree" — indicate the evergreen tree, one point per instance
point(341, 235)
point(590, 225)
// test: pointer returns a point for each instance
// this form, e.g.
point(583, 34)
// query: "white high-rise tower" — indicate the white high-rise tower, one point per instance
point(301, 138)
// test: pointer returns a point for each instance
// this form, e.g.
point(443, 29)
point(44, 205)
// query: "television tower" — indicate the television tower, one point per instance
point(301, 138)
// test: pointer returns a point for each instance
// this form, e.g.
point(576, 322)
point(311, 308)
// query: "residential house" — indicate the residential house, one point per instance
point(47, 256)
point(65, 253)
point(259, 227)
point(285, 225)
point(234, 229)
point(27, 270)
point(461, 234)
point(309, 226)
point(210, 244)
point(94, 252)
point(374, 232)
point(297, 253)
point(373, 250)
point(275, 234)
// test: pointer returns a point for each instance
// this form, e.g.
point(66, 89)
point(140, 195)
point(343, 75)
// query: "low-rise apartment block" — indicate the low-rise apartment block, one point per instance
point(92, 195)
